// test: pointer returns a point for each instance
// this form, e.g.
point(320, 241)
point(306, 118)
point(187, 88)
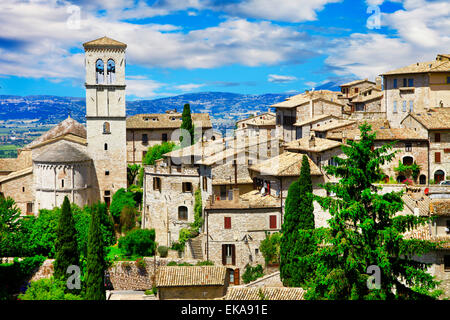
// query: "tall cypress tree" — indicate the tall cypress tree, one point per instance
point(366, 231)
point(66, 247)
point(95, 287)
point(298, 215)
point(186, 124)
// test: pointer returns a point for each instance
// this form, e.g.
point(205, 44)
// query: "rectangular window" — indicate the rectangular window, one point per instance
point(404, 105)
point(448, 80)
point(447, 263)
point(205, 184)
point(437, 137)
point(405, 82)
point(144, 138)
point(437, 157)
point(395, 107)
point(227, 222)
point(164, 137)
point(106, 173)
point(29, 207)
point(408, 146)
point(395, 85)
point(228, 254)
point(273, 222)
point(356, 90)
point(410, 82)
point(62, 183)
point(187, 186)
point(411, 106)
point(157, 184)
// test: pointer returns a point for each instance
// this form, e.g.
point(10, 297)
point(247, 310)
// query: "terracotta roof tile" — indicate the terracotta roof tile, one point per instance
point(314, 119)
point(355, 82)
point(440, 207)
point(422, 67)
point(386, 134)
point(68, 126)
point(433, 119)
point(17, 174)
point(297, 100)
point(285, 164)
point(333, 125)
point(62, 153)
point(319, 144)
point(266, 293)
point(104, 42)
point(178, 276)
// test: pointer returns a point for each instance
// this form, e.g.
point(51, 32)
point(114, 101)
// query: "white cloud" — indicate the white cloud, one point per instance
point(276, 78)
point(44, 41)
point(143, 88)
point(189, 86)
point(422, 30)
point(285, 10)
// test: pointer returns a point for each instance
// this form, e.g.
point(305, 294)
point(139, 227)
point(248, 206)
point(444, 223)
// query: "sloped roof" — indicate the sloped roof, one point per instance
point(297, 100)
point(266, 293)
point(433, 119)
point(314, 119)
point(355, 82)
point(423, 233)
point(386, 134)
point(104, 42)
point(178, 276)
point(165, 120)
point(285, 164)
point(17, 174)
point(320, 144)
point(377, 95)
point(9, 164)
point(263, 119)
point(440, 207)
point(63, 152)
point(422, 67)
point(423, 203)
point(333, 125)
point(68, 126)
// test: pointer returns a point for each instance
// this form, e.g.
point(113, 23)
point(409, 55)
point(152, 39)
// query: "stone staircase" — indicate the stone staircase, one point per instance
point(196, 247)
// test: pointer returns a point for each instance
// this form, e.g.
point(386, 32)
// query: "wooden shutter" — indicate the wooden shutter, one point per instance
point(273, 222)
point(437, 157)
point(236, 277)
point(227, 222)
point(233, 254)
point(224, 254)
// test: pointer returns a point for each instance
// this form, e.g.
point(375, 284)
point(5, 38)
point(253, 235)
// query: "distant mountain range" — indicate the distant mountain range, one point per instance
point(224, 108)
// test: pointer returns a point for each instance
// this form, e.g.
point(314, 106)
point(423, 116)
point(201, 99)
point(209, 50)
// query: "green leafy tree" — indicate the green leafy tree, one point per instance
point(299, 215)
point(95, 289)
point(121, 199)
point(48, 289)
point(128, 218)
point(364, 230)
point(9, 216)
point(198, 219)
point(252, 273)
point(138, 242)
point(270, 248)
point(66, 245)
point(132, 172)
point(156, 152)
point(187, 124)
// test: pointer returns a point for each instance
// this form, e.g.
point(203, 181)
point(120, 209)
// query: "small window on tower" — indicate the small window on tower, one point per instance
point(111, 72)
point(106, 146)
point(106, 128)
point(99, 71)
point(106, 173)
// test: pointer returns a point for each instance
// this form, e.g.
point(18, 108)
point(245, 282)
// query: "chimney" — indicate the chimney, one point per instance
point(236, 195)
point(312, 141)
point(378, 82)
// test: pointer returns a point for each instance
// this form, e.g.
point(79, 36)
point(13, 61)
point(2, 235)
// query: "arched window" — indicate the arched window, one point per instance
point(422, 179)
point(439, 176)
point(407, 161)
point(182, 213)
point(99, 71)
point(111, 72)
point(106, 128)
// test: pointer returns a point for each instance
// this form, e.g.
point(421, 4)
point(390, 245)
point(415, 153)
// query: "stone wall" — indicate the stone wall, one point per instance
point(21, 189)
point(125, 275)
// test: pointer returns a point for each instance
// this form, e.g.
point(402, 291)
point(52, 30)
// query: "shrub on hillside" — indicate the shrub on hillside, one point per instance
point(163, 251)
point(252, 273)
point(139, 242)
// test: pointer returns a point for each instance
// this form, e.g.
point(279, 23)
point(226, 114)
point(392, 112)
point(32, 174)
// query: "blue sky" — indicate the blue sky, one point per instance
point(242, 46)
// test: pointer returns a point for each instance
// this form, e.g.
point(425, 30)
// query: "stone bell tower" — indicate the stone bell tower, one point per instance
point(105, 115)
